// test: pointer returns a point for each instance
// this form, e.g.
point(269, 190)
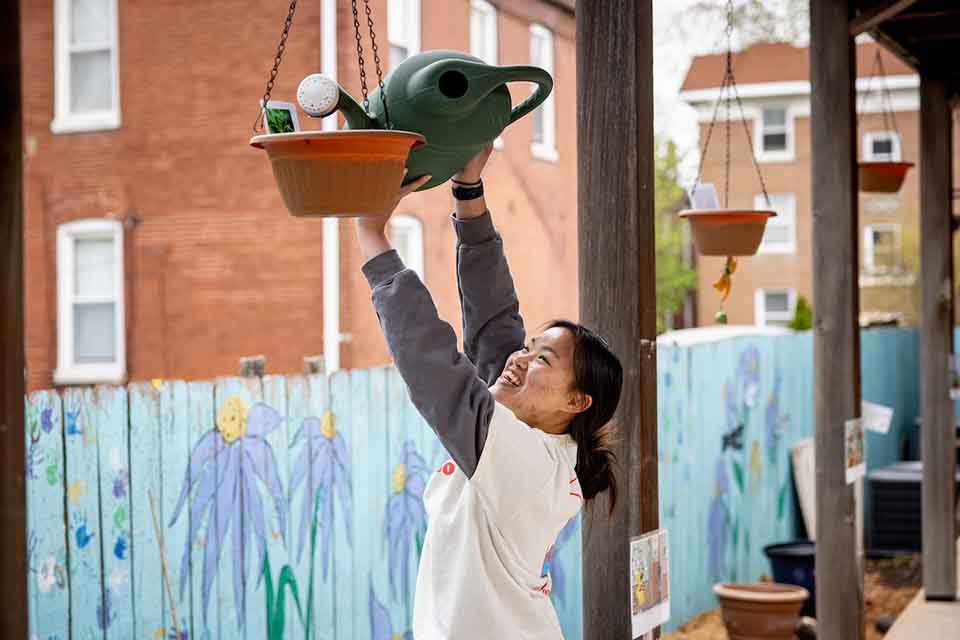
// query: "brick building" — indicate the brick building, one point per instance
point(773, 82)
point(156, 243)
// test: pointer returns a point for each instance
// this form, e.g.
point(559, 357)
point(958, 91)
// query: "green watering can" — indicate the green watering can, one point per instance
point(456, 101)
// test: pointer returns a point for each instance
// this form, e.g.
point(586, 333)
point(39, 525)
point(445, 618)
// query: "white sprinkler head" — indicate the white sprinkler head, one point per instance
point(318, 95)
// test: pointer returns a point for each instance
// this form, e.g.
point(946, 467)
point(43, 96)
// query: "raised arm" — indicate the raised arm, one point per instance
point(492, 326)
point(443, 383)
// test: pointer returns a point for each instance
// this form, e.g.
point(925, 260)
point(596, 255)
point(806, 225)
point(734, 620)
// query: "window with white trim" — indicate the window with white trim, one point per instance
point(775, 136)
point(403, 30)
point(406, 236)
point(86, 76)
point(544, 117)
point(483, 38)
point(881, 146)
point(780, 234)
point(881, 248)
point(90, 316)
point(774, 307)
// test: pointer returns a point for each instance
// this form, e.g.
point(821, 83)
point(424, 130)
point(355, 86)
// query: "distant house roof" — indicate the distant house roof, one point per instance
point(779, 62)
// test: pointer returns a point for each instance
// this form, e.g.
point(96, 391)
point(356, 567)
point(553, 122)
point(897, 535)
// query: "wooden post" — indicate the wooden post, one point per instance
point(615, 158)
point(936, 341)
point(253, 366)
point(13, 502)
point(836, 305)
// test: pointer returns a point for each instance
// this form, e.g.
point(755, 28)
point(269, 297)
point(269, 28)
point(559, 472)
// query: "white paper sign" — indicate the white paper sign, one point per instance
point(876, 417)
point(854, 450)
point(704, 196)
point(649, 582)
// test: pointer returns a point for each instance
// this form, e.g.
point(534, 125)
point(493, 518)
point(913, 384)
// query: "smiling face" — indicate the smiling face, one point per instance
point(537, 382)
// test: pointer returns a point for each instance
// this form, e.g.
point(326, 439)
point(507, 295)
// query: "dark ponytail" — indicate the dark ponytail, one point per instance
point(597, 372)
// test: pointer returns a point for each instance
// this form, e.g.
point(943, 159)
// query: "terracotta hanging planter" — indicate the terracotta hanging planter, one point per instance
point(760, 611)
point(883, 177)
point(727, 232)
point(338, 173)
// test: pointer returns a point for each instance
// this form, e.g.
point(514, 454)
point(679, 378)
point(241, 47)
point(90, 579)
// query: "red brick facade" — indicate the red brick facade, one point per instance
point(214, 267)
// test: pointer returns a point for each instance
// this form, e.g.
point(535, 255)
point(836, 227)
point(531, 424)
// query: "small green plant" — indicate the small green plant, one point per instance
point(802, 316)
point(279, 121)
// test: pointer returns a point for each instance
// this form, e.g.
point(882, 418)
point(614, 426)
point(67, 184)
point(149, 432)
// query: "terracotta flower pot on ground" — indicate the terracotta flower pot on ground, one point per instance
point(760, 611)
point(882, 177)
point(338, 173)
point(727, 232)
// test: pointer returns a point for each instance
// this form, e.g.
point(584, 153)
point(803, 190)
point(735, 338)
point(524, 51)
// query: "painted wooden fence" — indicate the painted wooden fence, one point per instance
point(290, 507)
point(287, 507)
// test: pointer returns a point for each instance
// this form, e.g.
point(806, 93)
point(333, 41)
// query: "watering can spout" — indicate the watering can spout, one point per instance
point(319, 96)
point(455, 87)
point(354, 114)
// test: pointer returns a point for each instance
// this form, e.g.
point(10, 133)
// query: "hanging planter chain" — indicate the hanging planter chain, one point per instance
point(376, 60)
point(728, 85)
point(886, 102)
point(258, 123)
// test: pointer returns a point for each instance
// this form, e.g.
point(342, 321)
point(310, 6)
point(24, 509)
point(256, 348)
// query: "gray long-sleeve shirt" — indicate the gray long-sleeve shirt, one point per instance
point(449, 388)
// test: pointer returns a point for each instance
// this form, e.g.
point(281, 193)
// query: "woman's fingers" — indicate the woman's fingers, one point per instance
point(407, 189)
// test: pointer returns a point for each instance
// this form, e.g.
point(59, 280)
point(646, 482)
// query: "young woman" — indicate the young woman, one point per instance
point(526, 424)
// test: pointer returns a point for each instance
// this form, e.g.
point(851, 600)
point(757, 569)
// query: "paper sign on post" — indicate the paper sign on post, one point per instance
point(876, 417)
point(854, 450)
point(954, 376)
point(649, 582)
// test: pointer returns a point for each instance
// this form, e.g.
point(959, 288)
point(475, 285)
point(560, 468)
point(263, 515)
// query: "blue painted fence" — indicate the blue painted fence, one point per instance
point(287, 507)
point(290, 507)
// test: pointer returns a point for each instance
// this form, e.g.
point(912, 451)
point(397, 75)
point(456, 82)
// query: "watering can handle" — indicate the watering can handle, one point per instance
point(530, 74)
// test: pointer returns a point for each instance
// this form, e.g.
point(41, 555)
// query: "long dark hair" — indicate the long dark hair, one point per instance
point(597, 372)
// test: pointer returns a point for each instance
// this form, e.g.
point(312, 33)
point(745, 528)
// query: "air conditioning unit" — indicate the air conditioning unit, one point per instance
point(896, 507)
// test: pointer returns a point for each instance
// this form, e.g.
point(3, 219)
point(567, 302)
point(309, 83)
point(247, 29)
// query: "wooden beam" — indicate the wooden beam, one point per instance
point(871, 18)
point(836, 338)
point(936, 341)
point(615, 159)
point(13, 502)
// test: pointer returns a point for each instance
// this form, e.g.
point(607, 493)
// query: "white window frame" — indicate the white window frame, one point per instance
point(63, 120)
point(407, 17)
point(869, 256)
point(871, 136)
point(785, 155)
point(759, 202)
point(760, 315)
point(68, 371)
point(412, 227)
point(484, 12)
point(547, 149)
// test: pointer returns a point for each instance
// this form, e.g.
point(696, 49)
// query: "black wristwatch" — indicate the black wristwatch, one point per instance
point(467, 190)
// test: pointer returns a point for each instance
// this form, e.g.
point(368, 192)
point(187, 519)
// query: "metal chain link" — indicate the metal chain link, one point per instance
point(376, 64)
point(376, 59)
point(363, 71)
point(276, 64)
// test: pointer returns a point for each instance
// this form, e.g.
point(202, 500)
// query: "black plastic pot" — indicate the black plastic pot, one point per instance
point(793, 563)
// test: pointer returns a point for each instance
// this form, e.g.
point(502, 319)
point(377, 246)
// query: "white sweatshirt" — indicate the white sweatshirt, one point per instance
point(488, 536)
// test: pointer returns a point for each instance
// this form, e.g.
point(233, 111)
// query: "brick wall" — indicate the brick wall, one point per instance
point(215, 268)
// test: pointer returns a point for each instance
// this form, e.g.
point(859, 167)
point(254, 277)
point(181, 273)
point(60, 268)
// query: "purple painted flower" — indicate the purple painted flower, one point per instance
point(406, 519)
point(773, 419)
point(105, 613)
point(718, 521)
point(323, 468)
point(72, 428)
point(381, 628)
point(173, 635)
point(120, 484)
point(748, 376)
point(223, 473)
point(46, 420)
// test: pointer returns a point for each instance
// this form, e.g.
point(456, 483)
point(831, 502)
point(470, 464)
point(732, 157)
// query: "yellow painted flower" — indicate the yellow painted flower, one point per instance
point(75, 490)
point(327, 428)
point(399, 478)
point(232, 419)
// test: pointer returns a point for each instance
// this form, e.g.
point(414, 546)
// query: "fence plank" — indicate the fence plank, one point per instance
point(176, 441)
point(371, 487)
point(278, 538)
point(145, 479)
point(344, 405)
point(112, 429)
point(48, 587)
point(297, 397)
point(398, 600)
point(318, 400)
point(234, 573)
point(201, 421)
point(86, 596)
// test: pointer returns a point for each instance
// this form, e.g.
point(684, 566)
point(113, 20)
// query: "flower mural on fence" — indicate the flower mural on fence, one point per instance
point(323, 467)
point(718, 522)
point(380, 625)
point(406, 518)
point(222, 476)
